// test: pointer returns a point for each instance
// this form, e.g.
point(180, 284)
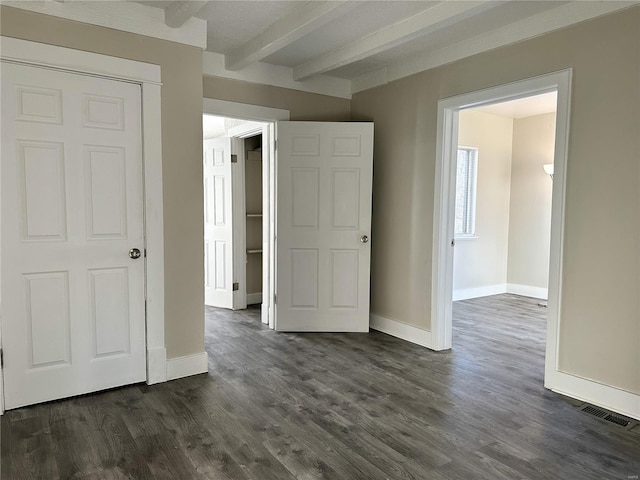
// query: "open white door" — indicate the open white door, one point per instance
point(73, 261)
point(218, 223)
point(323, 225)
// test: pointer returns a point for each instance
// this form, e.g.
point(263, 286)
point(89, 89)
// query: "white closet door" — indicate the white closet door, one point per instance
point(72, 297)
point(323, 224)
point(218, 223)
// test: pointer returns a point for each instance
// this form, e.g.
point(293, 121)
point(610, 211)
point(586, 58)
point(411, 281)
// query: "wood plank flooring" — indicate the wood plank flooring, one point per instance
point(333, 406)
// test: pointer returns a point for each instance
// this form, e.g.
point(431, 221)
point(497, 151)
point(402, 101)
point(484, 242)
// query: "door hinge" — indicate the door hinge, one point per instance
point(275, 299)
point(236, 286)
point(1, 359)
point(453, 242)
point(234, 158)
point(275, 145)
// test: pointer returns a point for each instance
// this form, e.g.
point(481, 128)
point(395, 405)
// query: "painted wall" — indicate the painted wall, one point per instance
point(600, 326)
point(530, 207)
point(301, 105)
point(181, 155)
point(481, 263)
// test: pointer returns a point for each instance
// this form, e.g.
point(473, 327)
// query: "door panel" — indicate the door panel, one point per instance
point(324, 175)
point(218, 223)
point(72, 298)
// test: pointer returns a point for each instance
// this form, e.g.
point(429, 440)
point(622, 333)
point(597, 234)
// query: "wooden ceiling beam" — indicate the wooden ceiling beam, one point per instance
point(304, 20)
point(434, 18)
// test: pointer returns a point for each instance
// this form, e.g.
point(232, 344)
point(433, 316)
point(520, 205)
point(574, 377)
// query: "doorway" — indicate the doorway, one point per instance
point(64, 208)
point(444, 210)
point(237, 154)
point(503, 198)
point(316, 219)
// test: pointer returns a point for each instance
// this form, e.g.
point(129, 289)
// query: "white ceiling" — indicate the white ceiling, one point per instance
point(523, 107)
point(366, 42)
point(351, 39)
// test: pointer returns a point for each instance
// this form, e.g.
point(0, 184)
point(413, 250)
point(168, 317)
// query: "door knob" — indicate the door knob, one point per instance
point(134, 253)
point(364, 239)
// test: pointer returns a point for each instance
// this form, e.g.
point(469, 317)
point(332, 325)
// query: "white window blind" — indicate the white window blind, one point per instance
point(466, 180)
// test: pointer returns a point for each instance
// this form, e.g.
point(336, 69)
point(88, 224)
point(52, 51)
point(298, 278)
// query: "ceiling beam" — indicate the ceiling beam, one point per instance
point(434, 18)
point(177, 13)
point(285, 31)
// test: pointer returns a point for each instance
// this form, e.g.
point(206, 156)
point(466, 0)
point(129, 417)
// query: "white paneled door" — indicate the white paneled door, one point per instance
point(218, 223)
point(323, 225)
point(72, 248)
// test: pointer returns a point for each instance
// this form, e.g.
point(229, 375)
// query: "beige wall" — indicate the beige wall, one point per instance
point(482, 261)
point(181, 155)
point(530, 208)
point(600, 327)
point(301, 105)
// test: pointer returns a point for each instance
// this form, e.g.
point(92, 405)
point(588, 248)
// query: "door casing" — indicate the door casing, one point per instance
point(148, 76)
point(444, 201)
point(265, 119)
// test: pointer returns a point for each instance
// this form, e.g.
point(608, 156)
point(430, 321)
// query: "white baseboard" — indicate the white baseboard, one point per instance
point(467, 293)
point(1, 394)
point(253, 298)
point(528, 291)
point(614, 399)
point(156, 365)
point(401, 330)
point(185, 366)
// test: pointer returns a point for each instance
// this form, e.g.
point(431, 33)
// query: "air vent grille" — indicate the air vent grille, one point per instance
point(609, 417)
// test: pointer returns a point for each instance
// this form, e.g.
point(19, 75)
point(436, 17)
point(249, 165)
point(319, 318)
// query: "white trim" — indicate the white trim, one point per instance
point(243, 111)
point(590, 391)
point(154, 225)
point(239, 214)
point(61, 58)
point(528, 291)
point(253, 298)
point(477, 292)
point(125, 16)
point(400, 330)
point(148, 77)
point(536, 25)
point(1, 378)
point(156, 365)
point(276, 76)
point(1, 394)
point(186, 366)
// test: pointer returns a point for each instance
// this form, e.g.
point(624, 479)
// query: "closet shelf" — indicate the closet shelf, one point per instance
point(254, 215)
point(257, 250)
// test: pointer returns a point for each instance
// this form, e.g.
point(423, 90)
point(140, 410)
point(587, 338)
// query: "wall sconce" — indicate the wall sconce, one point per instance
point(548, 168)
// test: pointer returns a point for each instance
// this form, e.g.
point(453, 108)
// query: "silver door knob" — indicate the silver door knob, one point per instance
point(364, 239)
point(134, 253)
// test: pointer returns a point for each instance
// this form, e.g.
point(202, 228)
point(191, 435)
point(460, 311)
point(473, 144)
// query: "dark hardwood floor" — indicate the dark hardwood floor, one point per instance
point(333, 406)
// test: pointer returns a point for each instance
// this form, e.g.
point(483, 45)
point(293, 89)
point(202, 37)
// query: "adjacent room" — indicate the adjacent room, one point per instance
point(321, 240)
point(503, 215)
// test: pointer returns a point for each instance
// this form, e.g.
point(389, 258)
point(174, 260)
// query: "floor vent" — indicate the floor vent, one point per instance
point(609, 417)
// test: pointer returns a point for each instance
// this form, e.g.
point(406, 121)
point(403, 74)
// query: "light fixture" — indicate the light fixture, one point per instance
point(548, 168)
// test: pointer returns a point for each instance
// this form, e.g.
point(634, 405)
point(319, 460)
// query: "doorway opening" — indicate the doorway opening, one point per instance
point(444, 241)
point(502, 223)
point(237, 154)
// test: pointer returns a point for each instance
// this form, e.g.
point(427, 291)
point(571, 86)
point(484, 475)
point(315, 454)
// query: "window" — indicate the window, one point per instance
point(466, 179)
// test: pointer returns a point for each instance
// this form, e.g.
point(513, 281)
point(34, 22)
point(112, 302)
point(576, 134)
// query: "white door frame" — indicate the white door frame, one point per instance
point(267, 117)
point(148, 76)
point(444, 204)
